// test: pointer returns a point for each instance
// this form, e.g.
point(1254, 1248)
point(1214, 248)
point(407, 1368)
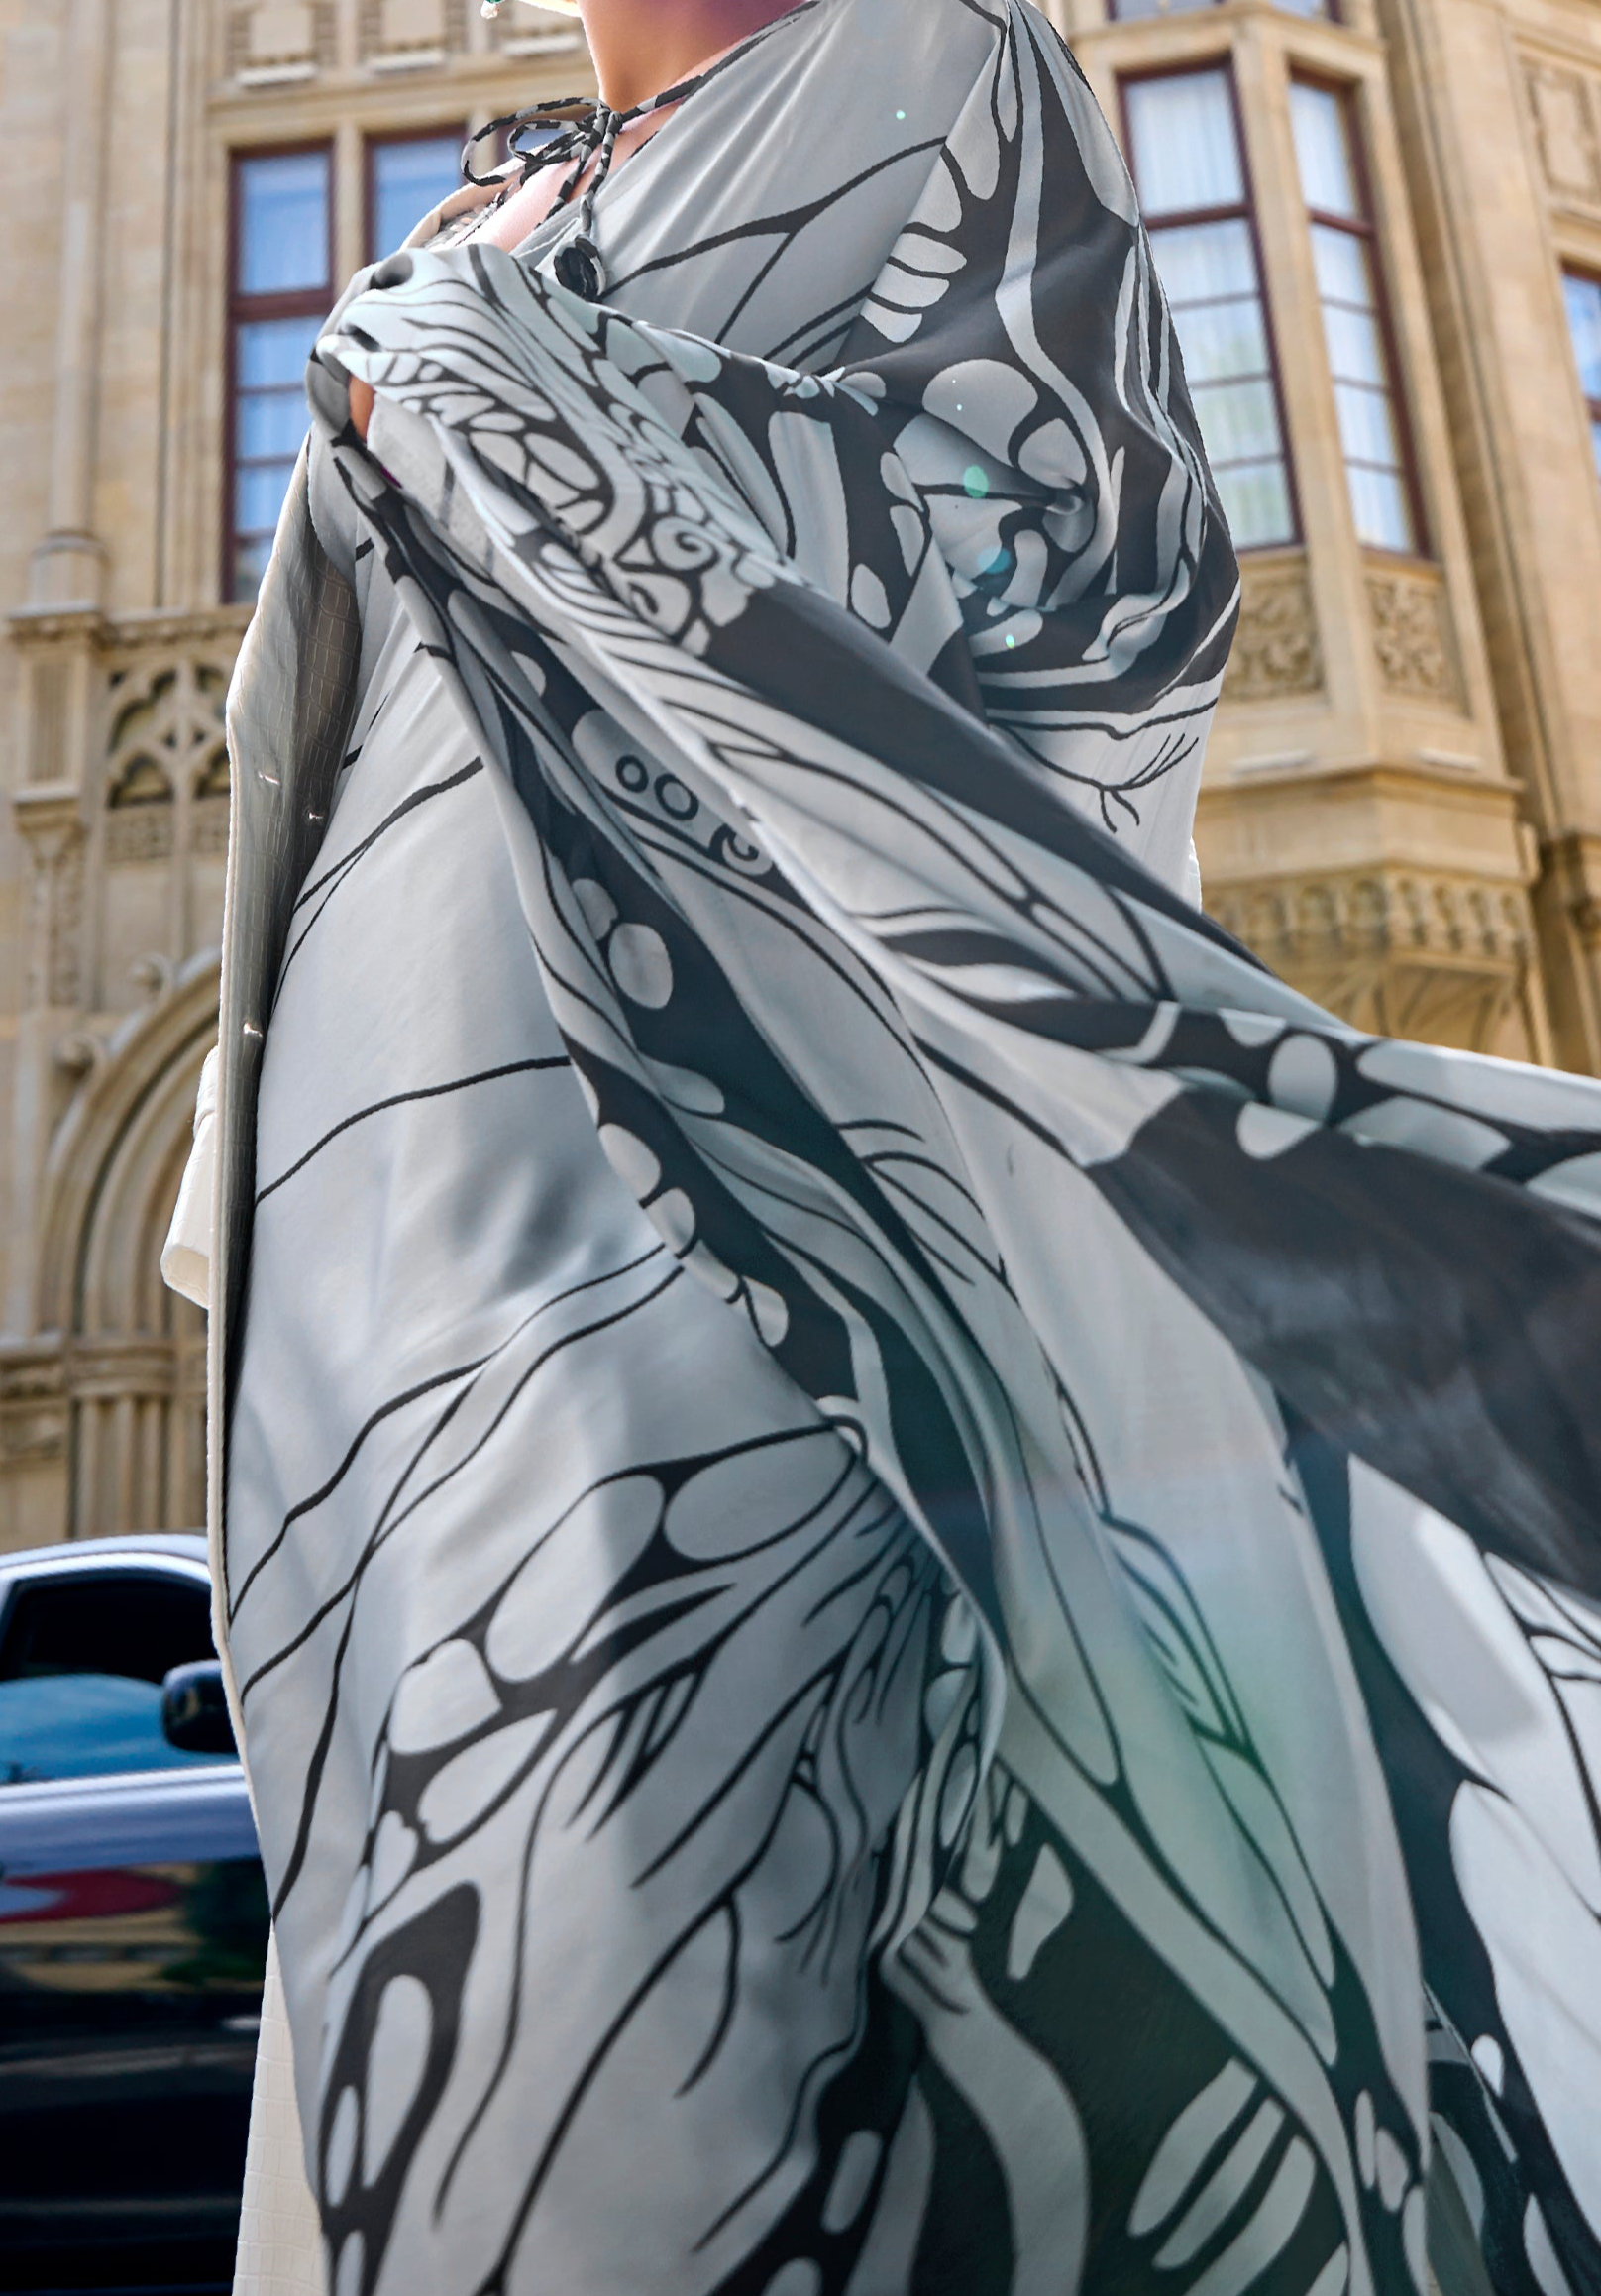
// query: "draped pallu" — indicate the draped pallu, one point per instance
point(910, 1563)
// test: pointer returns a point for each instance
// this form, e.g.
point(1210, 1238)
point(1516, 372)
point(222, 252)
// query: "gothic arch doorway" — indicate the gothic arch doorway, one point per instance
point(133, 1354)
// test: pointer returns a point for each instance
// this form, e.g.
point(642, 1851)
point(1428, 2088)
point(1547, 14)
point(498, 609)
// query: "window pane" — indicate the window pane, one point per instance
point(270, 422)
point(1238, 420)
point(1186, 151)
point(1379, 508)
point(274, 351)
point(1585, 322)
point(1341, 261)
point(1355, 350)
point(1199, 262)
point(250, 554)
point(1369, 432)
point(1304, 7)
point(1255, 499)
point(138, 1623)
point(1323, 146)
point(1367, 425)
point(283, 224)
point(1221, 340)
point(84, 1725)
point(258, 492)
point(408, 179)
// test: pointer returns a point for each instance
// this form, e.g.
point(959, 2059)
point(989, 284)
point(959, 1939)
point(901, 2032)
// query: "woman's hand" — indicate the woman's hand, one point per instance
point(362, 400)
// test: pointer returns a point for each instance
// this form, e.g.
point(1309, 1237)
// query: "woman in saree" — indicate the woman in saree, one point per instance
point(909, 1564)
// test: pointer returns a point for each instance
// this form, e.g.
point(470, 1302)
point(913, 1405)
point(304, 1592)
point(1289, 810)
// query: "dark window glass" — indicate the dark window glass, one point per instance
point(1190, 171)
point(1584, 298)
point(1344, 255)
point(281, 291)
point(82, 1659)
point(409, 176)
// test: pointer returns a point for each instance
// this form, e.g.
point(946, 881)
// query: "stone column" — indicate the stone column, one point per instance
point(67, 564)
point(49, 819)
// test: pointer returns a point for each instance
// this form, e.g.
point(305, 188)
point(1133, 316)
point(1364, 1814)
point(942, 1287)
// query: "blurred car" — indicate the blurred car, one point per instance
point(132, 1924)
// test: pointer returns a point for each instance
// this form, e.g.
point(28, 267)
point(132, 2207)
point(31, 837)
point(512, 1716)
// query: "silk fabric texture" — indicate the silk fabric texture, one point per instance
point(1137, 1783)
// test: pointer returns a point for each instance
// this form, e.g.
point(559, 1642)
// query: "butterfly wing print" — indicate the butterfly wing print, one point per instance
point(1037, 932)
point(677, 1969)
point(1041, 410)
point(1482, 1678)
point(1025, 948)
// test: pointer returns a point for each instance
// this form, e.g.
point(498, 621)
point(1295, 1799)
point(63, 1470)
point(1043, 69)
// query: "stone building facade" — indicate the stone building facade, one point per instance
point(1381, 224)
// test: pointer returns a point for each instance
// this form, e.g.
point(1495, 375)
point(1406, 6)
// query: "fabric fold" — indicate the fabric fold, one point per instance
point(1155, 1364)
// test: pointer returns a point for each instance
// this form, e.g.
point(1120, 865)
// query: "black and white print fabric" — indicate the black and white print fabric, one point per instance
point(913, 1564)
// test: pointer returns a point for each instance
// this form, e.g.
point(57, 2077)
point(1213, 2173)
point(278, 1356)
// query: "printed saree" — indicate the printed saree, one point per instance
point(913, 1564)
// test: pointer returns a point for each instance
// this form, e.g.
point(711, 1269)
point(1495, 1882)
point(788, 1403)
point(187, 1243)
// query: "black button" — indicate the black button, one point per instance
point(578, 269)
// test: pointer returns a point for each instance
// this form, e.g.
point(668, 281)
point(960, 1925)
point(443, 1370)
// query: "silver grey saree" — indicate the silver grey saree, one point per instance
point(910, 1563)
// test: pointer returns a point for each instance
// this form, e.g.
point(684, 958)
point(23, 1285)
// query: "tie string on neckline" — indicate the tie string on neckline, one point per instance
point(580, 129)
point(576, 139)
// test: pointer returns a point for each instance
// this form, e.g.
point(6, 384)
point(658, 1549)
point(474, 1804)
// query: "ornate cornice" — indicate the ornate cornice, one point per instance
point(43, 628)
point(37, 627)
point(1399, 951)
point(1379, 910)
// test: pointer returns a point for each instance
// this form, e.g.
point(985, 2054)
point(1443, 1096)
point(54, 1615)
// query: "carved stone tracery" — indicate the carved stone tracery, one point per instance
point(167, 759)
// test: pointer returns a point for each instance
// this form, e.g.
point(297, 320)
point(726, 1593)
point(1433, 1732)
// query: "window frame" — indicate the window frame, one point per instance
point(300, 303)
point(1191, 67)
point(1348, 93)
point(1165, 13)
point(372, 141)
point(1575, 268)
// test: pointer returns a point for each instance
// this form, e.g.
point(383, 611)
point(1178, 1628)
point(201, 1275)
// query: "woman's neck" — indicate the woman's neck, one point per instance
point(641, 47)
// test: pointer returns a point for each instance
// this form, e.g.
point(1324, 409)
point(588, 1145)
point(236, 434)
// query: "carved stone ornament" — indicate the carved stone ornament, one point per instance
point(139, 833)
point(53, 831)
point(1412, 637)
point(1392, 950)
point(1276, 649)
point(208, 826)
point(32, 1405)
point(407, 30)
point(277, 40)
point(1564, 105)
